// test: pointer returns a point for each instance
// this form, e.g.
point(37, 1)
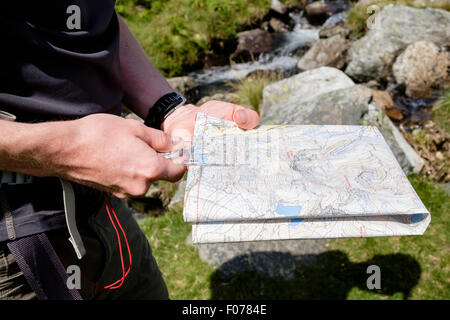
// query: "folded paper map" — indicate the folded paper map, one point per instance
point(296, 182)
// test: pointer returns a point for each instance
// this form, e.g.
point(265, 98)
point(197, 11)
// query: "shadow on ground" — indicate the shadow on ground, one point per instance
point(330, 275)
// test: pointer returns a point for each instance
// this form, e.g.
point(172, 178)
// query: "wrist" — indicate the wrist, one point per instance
point(180, 113)
point(163, 107)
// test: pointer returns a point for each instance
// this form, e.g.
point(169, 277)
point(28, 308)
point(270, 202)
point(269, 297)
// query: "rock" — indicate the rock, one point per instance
point(327, 96)
point(265, 26)
point(186, 85)
point(325, 52)
point(270, 258)
point(420, 67)
point(278, 26)
point(178, 197)
point(331, 30)
point(303, 87)
point(364, 3)
point(384, 101)
point(267, 73)
point(214, 59)
point(429, 3)
point(373, 84)
point(252, 43)
point(278, 7)
point(414, 3)
point(373, 55)
point(445, 187)
point(225, 96)
point(157, 198)
point(416, 110)
point(318, 12)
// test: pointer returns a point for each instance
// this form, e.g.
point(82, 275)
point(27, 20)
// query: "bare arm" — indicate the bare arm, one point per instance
point(103, 151)
point(142, 82)
point(26, 148)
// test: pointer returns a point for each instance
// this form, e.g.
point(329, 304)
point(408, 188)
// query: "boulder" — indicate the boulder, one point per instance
point(335, 29)
point(327, 96)
point(157, 198)
point(420, 67)
point(384, 101)
point(212, 59)
point(178, 197)
point(303, 87)
point(325, 52)
point(364, 3)
point(278, 7)
point(222, 96)
point(318, 12)
point(278, 26)
point(373, 55)
point(413, 3)
point(252, 43)
point(265, 26)
point(429, 3)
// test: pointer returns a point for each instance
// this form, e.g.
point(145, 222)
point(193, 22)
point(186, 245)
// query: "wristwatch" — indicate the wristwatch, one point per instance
point(165, 105)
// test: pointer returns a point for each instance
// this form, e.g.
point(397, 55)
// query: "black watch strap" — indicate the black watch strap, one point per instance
point(162, 108)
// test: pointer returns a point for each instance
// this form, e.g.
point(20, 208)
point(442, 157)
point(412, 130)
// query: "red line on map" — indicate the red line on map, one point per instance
point(348, 182)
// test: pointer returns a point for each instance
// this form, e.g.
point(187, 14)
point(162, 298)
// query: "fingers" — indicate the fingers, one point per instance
point(245, 118)
point(169, 170)
point(158, 140)
point(158, 168)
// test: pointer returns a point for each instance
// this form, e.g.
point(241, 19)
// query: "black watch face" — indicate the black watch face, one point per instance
point(175, 99)
point(162, 108)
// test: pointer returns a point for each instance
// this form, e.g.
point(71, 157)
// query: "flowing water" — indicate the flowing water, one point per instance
point(283, 58)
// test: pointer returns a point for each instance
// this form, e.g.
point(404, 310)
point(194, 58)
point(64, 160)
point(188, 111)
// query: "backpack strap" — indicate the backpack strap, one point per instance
point(69, 208)
point(42, 268)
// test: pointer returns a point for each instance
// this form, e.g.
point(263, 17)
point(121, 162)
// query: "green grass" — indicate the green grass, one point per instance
point(358, 15)
point(441, 111)
point(175, 33)
point(413, 267)
point(249, 91)
point(185, 274)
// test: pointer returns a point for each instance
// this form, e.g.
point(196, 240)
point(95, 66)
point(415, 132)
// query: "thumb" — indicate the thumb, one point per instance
point(245, 118)
point(159, 140)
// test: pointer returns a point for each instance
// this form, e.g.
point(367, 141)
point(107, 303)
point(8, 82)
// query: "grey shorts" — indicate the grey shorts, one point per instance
point(101, 265)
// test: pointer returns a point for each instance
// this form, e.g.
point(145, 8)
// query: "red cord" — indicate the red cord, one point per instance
point(114, 285)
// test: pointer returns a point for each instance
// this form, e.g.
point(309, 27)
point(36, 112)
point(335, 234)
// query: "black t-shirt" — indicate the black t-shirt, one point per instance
point(50, 69)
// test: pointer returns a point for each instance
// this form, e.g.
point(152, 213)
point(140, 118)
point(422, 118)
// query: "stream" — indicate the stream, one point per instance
point(283, 58)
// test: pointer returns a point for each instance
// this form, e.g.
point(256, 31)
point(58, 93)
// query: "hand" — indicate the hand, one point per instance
point(116, 155)
point(181, 122)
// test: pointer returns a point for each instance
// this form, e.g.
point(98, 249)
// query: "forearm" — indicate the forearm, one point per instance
point(143, 84)
point(103, 151)
point(33, 148)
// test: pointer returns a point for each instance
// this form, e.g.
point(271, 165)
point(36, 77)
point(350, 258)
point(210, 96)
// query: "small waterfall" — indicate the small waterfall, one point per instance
point(283, 58)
